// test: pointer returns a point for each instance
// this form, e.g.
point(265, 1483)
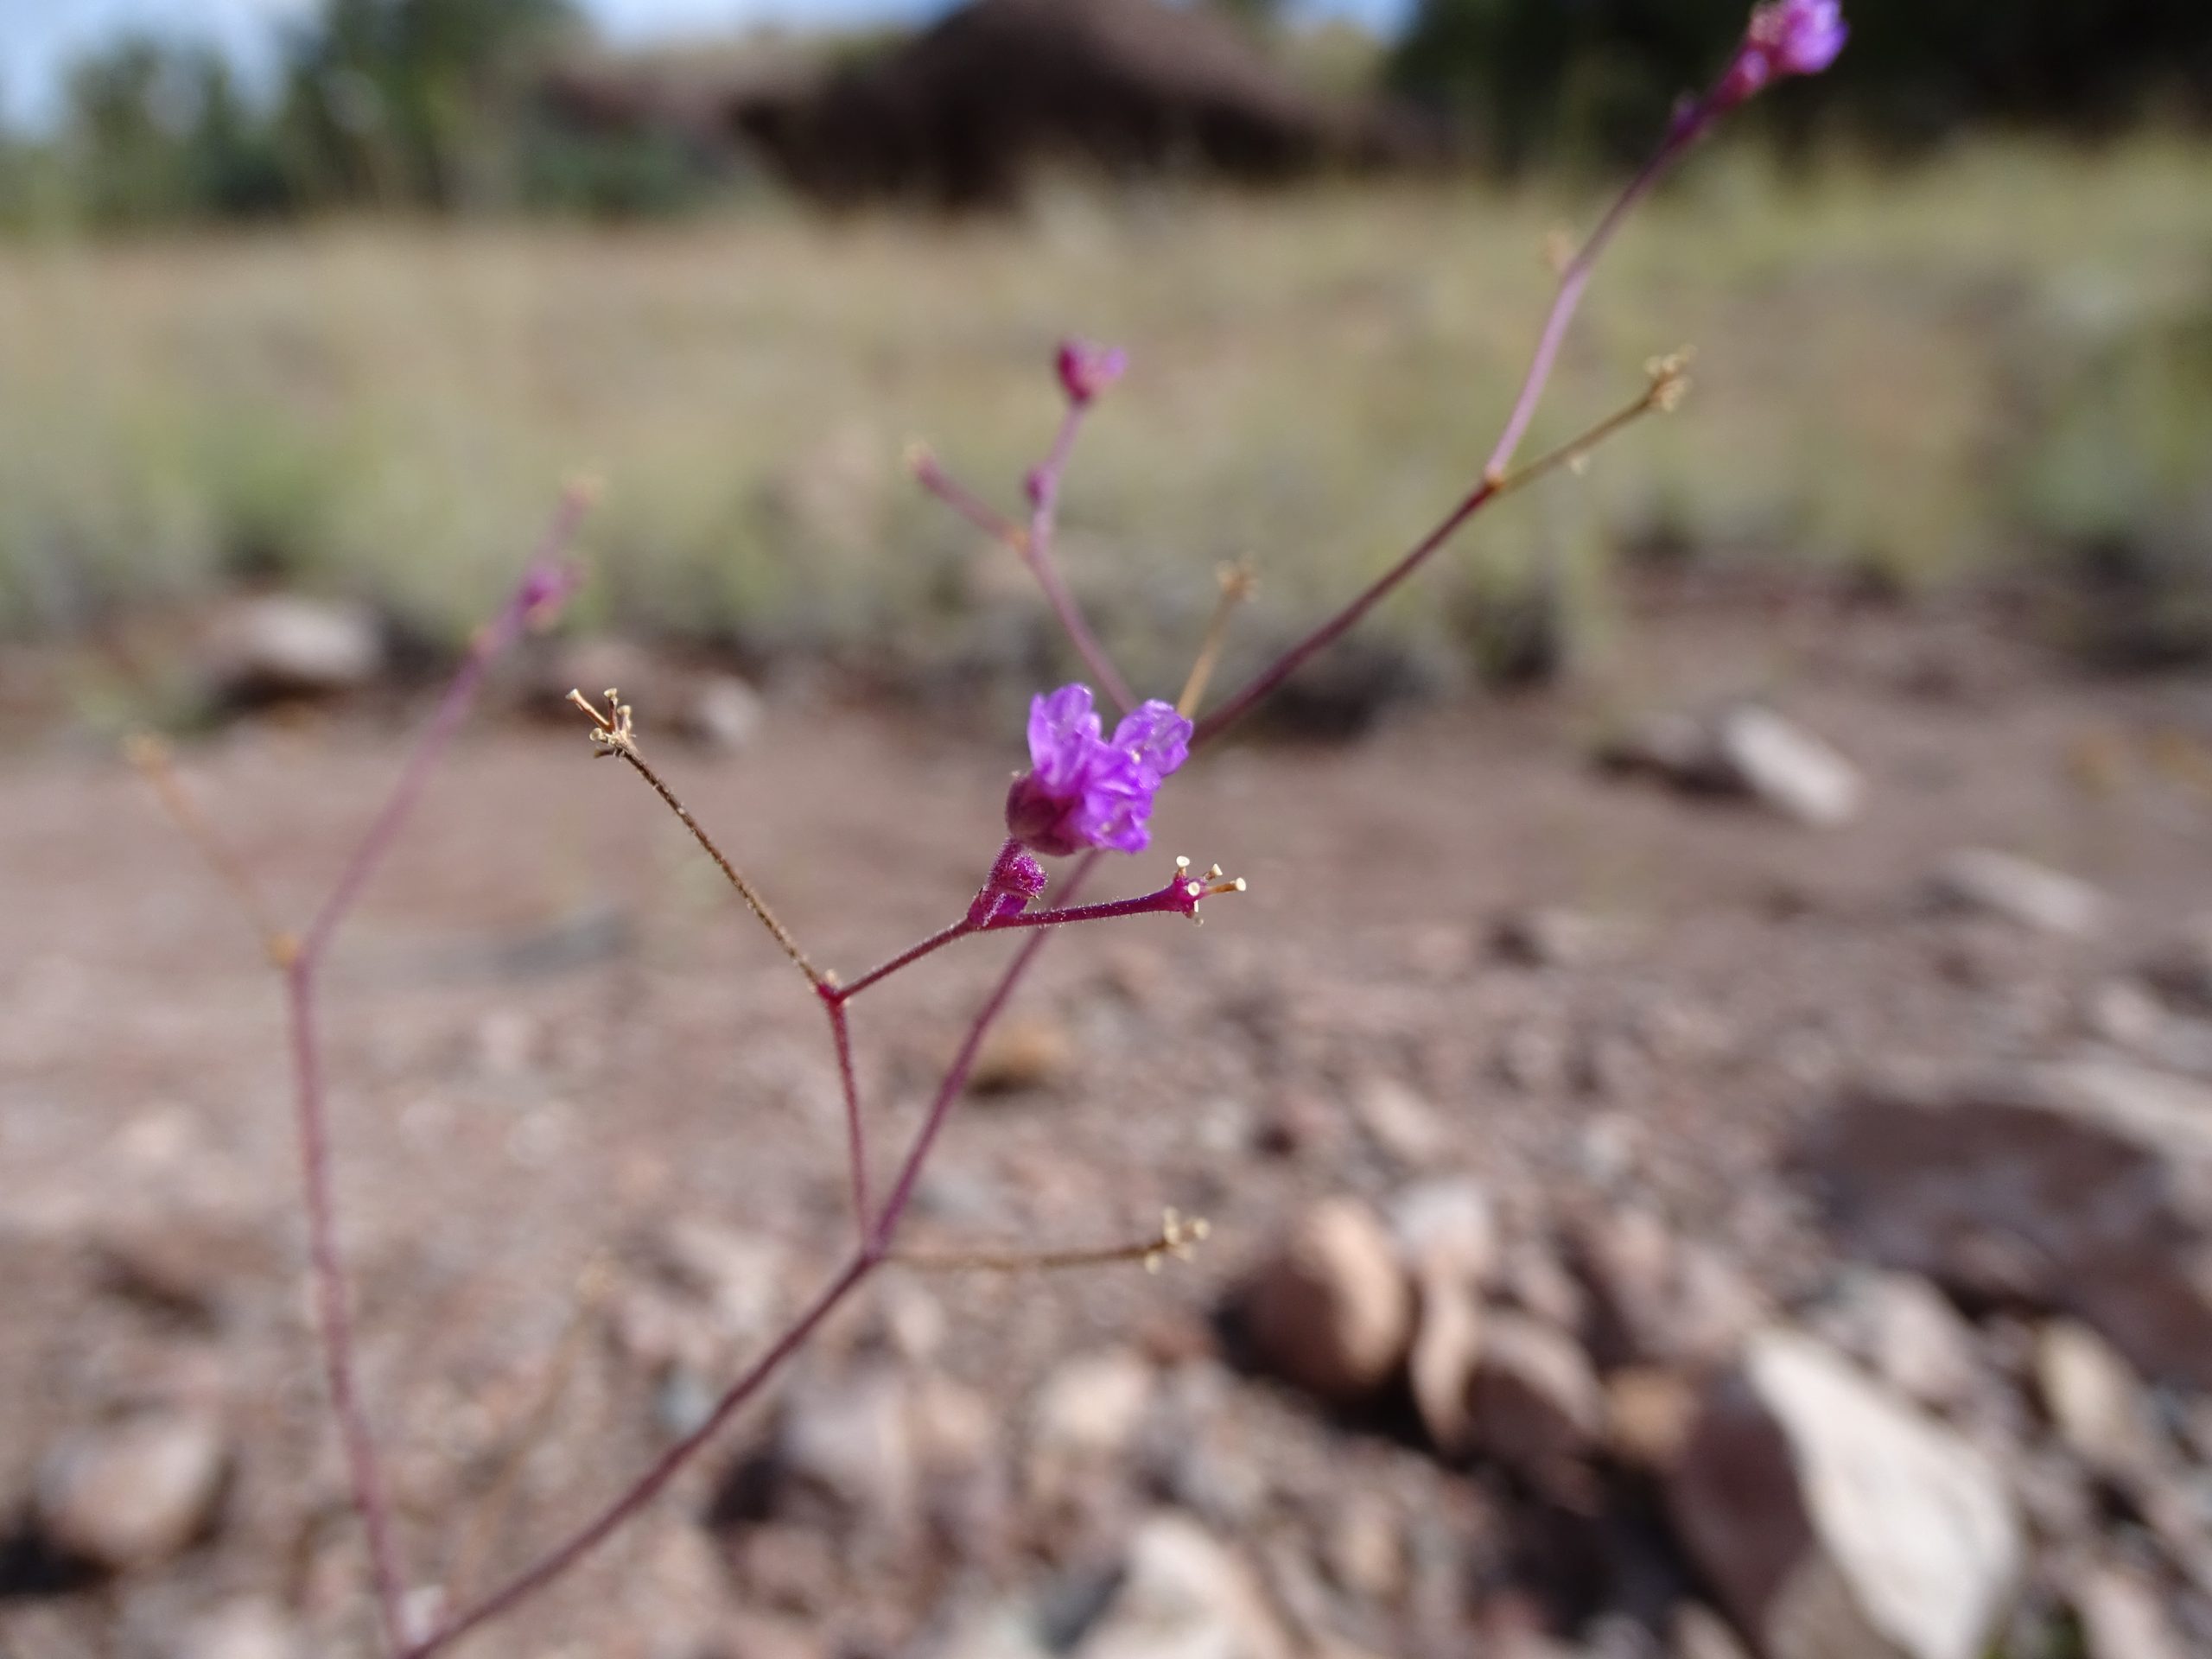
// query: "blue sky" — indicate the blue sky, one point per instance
point(38, 37)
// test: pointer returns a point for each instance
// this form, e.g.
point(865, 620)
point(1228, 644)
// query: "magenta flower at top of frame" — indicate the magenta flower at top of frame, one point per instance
point(1086, 369)
point(1084, 789)
point(1789, 37)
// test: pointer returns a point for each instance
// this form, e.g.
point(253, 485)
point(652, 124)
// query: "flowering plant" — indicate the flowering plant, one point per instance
point(1086, 793)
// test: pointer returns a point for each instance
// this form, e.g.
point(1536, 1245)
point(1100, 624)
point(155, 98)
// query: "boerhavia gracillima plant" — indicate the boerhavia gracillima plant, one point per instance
point(1086, 792)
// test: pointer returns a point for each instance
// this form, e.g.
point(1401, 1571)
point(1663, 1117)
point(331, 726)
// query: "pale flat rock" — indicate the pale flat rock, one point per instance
point(1747, 751)
point(1085, 1416)
point(2095, 1399)
point(1907, 1332)
point(1184, 1595)
point(1990, 883)
point(1785, 767)
point(1836, 1521)
point(1447, 1227)
point(2122, 1617)
point(278, 645)
point(133, 1495)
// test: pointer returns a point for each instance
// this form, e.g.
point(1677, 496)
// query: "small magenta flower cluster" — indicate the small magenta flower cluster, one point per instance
point(1083, 790)
point(1790, 37)
point(1086, 793)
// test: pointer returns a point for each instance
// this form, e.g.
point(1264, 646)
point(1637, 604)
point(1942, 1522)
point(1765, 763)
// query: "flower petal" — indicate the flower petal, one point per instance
point(1156, 738)
point(1064, 734)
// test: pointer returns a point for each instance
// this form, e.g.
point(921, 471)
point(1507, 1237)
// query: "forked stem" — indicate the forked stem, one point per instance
point(873, 1254)
point(1668, 380)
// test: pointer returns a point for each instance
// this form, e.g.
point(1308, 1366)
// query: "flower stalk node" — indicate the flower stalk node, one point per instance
point(1187, 890)
point(1179, 1238)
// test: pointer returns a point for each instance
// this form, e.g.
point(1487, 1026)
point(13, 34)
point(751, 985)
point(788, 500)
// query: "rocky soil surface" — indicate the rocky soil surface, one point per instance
point(1715, 1162)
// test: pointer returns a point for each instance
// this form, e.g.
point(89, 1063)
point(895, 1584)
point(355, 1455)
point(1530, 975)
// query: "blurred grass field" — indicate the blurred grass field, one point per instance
point(386, 411)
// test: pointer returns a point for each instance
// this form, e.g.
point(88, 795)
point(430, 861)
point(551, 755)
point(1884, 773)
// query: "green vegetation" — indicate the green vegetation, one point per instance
point(1894, 374)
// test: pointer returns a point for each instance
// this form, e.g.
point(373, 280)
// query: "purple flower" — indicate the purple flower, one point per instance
point(1788, 37)
point(1086, 369)
point(1084, 789)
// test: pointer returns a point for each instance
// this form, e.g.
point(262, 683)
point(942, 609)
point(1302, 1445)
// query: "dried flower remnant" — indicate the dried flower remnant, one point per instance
point(1085, 790)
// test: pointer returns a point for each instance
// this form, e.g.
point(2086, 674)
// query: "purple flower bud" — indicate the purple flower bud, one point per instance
point(1014, 879)
point(1084, 789)
point(1787, 37)
point(1086, 369)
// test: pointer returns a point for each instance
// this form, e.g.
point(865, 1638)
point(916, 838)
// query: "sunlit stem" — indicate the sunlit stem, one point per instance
point(614, 733)
point(1666, 387)
point(1176, 1240)
point(1238, 581)
point(495, 1512)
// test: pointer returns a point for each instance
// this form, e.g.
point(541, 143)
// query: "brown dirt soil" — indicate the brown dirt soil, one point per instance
point(550, 1031)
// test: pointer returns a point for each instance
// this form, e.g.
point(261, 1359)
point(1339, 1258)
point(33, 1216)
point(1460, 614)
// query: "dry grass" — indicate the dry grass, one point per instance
point(388, 409)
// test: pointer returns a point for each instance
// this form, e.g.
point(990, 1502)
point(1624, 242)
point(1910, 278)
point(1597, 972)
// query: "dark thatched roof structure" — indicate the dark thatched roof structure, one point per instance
point(964, 114)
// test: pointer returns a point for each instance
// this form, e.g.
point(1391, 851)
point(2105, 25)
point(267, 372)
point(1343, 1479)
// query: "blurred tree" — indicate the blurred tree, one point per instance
point(420, 101)
point(157, 132)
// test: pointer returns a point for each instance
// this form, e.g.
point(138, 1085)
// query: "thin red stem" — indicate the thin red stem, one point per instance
point(1037, 551)
point(1165, 902)
point(937, 941)
point(1572, 282)
point(665, 1468)
point(1161, 902)
point(929, 473)
point(841, 1034)
point(1264, 682)
point(872, 1255)
point(492, 640)
point(956, 1076)
point(333, 1313)
point(1574, 279)
point(542, 583)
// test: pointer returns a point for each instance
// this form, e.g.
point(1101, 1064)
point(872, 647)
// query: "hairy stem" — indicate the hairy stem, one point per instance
point(494, 637)
point(735, 877)
point(840, 1037)
point(1665, 384)
point(1174, 1238)
point(872, 1255)
point(158, 765)
point(906, 958)
point(1574, 279)
point(1496, 479)
point(1037, 552)
point(670, 1463)
point(929, 473)
point(543, 584)
point(333, 1313)
point(956, 1076)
